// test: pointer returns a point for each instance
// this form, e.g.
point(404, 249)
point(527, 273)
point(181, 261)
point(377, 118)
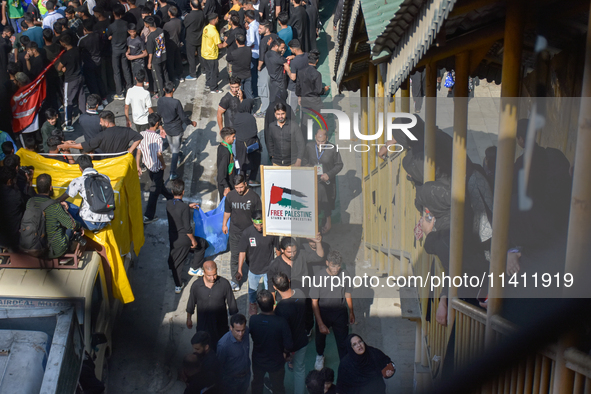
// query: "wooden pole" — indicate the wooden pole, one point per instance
point(364, 156)
point(382, 105)
point(430, 121)
point(458, 178)
point(365, 169)
point(505, 157)
point(371, 103)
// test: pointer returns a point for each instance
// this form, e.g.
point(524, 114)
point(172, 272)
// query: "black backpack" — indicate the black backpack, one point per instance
point(99, 194)
point(33, 237)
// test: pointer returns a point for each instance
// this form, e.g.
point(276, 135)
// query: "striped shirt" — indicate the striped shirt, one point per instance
point(150, 146)
point(57, 221)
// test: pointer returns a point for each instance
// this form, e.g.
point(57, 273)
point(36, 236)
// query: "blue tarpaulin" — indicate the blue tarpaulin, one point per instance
point(208, 225)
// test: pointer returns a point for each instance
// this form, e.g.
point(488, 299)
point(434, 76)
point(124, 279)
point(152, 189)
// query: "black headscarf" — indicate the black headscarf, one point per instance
point(362, 373)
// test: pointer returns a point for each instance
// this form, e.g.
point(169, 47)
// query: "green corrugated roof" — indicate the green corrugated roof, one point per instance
point(377, 15)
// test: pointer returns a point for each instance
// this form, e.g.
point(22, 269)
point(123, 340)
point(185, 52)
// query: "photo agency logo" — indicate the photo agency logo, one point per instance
point(344, 129)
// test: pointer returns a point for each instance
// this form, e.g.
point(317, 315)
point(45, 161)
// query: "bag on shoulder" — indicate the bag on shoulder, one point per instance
point(99, 194)
point(33, 237)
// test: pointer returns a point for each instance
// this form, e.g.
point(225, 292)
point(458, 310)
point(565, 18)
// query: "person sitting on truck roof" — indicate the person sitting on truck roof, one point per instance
point(84, 215)
point(60, 228)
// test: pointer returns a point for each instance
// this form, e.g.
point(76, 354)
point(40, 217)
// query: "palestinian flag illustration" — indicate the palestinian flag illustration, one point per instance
point(288, 198)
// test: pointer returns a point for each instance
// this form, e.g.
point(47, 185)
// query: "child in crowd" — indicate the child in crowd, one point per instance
point(136, 50)
point(329, 387)
point(225, 161)
point(48, 128)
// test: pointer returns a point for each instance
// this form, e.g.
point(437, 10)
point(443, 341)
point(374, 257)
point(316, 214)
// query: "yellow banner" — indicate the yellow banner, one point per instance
point(126, 228)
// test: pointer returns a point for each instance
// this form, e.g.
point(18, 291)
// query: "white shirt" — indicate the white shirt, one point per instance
point(253, 38)
point(77, 187)
point(50, 19)
point(140, 101)
point(150, 146)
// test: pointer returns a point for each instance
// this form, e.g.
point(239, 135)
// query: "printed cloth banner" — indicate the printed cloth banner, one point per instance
point(27, 101)
point(208, 225)
point(290, 202)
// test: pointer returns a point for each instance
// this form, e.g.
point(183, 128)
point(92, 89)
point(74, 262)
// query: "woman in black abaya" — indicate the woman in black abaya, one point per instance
point(360, 371)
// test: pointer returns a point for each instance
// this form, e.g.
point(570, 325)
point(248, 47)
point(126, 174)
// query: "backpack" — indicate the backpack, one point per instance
point(99, 194)
point(33, 238)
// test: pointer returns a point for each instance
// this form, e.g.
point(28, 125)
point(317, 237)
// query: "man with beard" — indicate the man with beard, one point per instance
point(284, 138)
point(113, 139)
point(211, 293)
point(241, 205)
point(228, 105)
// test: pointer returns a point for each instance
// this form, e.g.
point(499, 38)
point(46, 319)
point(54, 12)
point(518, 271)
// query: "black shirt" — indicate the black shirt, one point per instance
point(242, 208)
point(156, 46)
point(118, 31)
point(136, 14)
point(224, 158)
point(71, 61)
point(327, 296)
point(179, 220)
point(264, 46)
point(37, 65)
point(293, 309)
point(12, 208)
point(271, 336)
point(295, 272)
point(274, 63)
point(136, 47)
point(173, 27)
point(285, 144)
point(231, 40)
point(194, 24)
point(259, 249)
point(212, 315)
point(309, 82)
point(173, 115)
point(296, 64)
point(240, 60)
point(91, 126)
point(100, 27)
point(115, 139)
point(246, 126)
point(90, 49)
point(230, 104)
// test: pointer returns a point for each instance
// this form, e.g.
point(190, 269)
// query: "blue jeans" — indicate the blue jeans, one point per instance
point(74, 210)
point(299, 371)
point(253, 285)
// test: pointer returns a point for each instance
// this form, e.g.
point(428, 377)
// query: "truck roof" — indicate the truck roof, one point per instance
point(53, 283)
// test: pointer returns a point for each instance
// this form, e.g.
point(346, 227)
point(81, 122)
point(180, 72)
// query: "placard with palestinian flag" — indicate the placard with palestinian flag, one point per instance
point(289, 201)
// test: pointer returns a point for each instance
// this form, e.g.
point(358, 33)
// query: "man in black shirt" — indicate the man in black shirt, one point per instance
point(155, 44)
point(276, 66)
point(299, 60)
point(69, 64)
point(172, 30)
point(90, 51)
point(210, 372)
point(271, 338)
point(194, 23)
point(173, 118)
point(284, 139)
point(309, 84)
point(225, 162)
point(292, 306)
point(292, 262)
point(134, 15)
point(100, 27)
point(90, 120)
point(228, 106)
point(299, 22)
point(240, 60)
point(259, 250)
point(330, 306)
point(263, 75)
point(241, 205)
point(34, 61)
point(114, 139)
point(117, 33)
point(210, 293)
point(231, 37)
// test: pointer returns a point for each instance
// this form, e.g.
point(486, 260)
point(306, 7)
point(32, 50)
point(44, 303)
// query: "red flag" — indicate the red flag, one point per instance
point(276, 194)
point(27, 100)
